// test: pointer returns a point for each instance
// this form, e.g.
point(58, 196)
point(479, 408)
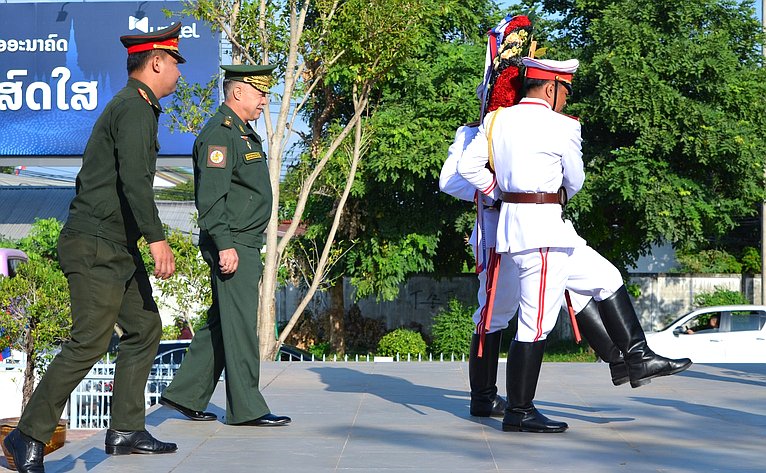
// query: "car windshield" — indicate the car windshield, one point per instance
point(667, 326)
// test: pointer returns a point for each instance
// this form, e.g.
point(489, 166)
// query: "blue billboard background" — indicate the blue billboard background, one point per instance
point(60, 63)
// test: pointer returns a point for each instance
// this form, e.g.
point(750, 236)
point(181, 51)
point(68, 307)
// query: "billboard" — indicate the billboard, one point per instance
point(60, 63)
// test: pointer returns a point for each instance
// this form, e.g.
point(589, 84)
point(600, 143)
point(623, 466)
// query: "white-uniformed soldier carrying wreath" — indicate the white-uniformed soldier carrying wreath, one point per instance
point(537, 150)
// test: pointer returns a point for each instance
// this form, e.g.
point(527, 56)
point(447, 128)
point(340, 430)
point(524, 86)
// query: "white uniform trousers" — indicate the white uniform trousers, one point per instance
point(506, 294)
point(543, 275)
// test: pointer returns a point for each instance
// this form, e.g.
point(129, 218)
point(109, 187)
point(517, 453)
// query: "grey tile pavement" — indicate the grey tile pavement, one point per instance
point(413, 417)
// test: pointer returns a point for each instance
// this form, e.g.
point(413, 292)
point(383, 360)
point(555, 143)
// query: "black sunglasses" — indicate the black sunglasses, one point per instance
point(567, 86)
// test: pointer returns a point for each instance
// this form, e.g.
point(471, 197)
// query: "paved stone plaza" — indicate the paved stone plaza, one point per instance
point(392, 417)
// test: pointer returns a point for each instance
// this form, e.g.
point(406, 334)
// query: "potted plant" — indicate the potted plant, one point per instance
point(35, 319)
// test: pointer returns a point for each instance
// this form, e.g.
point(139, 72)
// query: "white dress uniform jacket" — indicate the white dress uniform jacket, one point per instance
point(452, 183)
point(534, 150)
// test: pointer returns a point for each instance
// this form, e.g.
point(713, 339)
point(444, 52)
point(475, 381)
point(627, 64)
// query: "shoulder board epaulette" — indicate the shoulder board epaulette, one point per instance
point(227, 122)
point(143, 94)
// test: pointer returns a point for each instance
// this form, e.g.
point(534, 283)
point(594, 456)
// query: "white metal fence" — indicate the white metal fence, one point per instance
point(90, 403)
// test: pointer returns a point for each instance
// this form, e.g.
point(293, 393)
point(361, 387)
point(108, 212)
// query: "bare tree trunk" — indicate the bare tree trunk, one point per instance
point(276, 135)
point(337, 329)
point(29, 369)
point(360, 104)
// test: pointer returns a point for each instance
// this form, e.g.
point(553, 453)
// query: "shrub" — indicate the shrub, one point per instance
point(452, 329)
point(402, 341)
point(721, 296)
point(320, 349)
point(34, 315)
point(709, 261)
point(751, 260)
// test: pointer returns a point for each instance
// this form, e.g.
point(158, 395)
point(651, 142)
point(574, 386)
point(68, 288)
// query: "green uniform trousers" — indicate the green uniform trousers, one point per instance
point(229, 340)
point(108, 284)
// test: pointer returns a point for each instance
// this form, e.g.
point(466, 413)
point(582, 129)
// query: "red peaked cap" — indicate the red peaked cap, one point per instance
point(506, 91)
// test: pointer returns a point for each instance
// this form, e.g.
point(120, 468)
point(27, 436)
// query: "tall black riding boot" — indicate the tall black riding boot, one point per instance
point(524, 360)
point(482, 373)
point(592, 327)
point(624, 329)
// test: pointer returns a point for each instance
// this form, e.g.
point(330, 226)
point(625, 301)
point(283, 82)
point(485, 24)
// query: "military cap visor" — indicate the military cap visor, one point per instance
point(164, 40)
point(257, 76)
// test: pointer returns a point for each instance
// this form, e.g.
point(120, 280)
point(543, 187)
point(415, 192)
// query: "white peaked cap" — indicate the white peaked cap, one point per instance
point(549, 69)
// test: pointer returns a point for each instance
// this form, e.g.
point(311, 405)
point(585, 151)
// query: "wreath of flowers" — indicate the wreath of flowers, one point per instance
point(506, 79)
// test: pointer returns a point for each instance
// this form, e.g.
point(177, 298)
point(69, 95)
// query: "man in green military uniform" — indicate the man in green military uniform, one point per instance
point(233, 197)
point(98, 252)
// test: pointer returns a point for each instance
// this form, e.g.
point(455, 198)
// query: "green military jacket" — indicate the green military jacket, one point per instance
point(114, 189)
point(231, 182)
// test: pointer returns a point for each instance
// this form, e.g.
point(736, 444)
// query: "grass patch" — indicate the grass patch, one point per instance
point(566, 351)
point(569, 351)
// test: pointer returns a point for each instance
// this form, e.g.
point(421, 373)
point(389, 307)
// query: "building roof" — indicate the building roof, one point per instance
point(21, 205)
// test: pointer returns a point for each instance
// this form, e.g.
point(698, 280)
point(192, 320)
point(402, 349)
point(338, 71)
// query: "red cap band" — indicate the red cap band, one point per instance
point(171, 44)
point(535, 73)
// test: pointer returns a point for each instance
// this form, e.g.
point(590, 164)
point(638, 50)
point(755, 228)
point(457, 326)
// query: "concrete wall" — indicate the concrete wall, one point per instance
point(664, 297)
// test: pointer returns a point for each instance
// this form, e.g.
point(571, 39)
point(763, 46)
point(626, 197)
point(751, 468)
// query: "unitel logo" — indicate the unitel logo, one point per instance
point(141, 23)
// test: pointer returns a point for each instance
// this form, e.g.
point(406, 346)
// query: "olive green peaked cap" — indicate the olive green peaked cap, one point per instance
point(257, 76)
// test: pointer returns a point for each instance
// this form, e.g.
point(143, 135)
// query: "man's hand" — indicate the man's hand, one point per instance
point(164, 261)
point(228, 260)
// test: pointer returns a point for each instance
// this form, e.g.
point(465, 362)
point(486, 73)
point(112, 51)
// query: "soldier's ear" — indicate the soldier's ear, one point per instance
point(155, 62)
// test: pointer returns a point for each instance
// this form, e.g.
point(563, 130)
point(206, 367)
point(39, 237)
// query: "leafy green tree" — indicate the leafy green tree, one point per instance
point(317, 45)
point(191, 105)
point(670, 95)
point(396, 222)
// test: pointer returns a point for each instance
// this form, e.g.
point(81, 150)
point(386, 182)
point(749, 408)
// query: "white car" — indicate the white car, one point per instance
point(720, 334)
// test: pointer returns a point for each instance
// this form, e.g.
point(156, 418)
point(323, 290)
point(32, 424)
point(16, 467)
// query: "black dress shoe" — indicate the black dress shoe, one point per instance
point(27, 452)
point(193, 415)
point(483, 408)
point(268, 420)
point(530, 420)
point(136, 441)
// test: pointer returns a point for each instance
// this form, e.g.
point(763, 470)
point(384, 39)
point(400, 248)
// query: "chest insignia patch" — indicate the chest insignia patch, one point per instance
point(216, 156)
point(247, 142)
point(253, 156)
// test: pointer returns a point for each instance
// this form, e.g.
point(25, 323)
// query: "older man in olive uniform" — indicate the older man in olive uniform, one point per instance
point(98, 252)
point(233, 196)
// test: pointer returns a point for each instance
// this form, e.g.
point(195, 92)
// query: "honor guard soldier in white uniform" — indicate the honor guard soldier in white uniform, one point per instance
point(505, 45)
point(498, 307)
point(538, 162)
